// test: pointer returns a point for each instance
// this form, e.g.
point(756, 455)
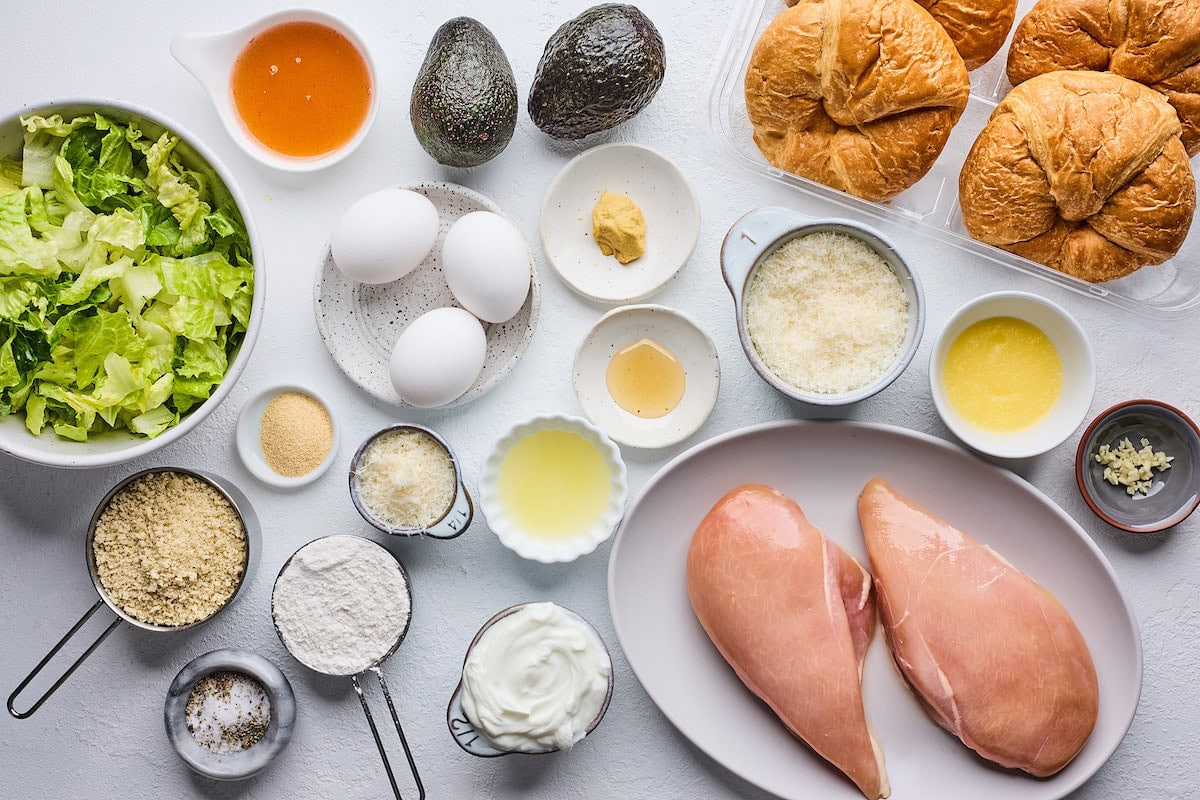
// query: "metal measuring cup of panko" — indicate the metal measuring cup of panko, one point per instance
point(334, 579)
point(413, 444)
point(473, 739)
point(244, 512)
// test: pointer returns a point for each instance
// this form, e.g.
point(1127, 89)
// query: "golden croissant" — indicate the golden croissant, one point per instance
point(1082, 171)
point(859, 95)
point(1155, 42)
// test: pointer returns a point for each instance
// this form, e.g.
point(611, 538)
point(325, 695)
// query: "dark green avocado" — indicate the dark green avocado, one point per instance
point(464, 103)
point(599, 70)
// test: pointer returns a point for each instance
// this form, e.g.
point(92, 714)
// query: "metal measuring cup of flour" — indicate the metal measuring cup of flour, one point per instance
point(375, 667)
point(245, 512)
point(456, 519)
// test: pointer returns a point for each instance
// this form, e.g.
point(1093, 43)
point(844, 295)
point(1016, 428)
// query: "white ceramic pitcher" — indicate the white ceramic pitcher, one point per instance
point(210, 57)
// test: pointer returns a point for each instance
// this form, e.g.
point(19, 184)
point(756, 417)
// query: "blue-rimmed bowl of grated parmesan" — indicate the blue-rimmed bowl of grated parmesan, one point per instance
point(828, 312)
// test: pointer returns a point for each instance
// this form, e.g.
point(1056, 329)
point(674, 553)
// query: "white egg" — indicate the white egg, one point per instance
point(384, 236)
point(486, 262)
point(438, 357)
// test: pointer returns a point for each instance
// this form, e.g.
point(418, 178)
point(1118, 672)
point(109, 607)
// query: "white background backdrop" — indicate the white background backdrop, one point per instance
point(101, 736)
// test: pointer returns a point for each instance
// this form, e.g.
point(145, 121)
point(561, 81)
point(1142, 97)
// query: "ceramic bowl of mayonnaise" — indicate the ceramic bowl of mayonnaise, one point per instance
point(537, 679)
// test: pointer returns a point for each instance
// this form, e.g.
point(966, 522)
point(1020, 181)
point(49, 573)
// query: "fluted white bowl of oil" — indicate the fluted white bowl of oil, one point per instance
point(553, 488)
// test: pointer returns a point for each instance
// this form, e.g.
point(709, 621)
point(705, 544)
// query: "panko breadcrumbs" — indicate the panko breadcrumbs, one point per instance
point(169, 549)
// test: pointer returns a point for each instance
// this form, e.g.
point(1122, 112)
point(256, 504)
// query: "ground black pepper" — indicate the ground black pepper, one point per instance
point(228, 712)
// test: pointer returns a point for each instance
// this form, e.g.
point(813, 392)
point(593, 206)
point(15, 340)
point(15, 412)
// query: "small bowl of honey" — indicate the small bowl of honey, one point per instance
point(1012, 374)
point(296, 89)
point(553, 488)
point(647, 375)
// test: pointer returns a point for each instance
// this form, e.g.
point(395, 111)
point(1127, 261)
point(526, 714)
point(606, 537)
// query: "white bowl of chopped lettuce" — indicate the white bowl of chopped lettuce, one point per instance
point(129, 298)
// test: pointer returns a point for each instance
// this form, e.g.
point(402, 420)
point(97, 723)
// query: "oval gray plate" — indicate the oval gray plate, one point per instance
point(360, 322)
point(823, 466)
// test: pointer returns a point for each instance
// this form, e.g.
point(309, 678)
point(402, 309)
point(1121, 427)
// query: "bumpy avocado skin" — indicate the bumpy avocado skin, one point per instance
point(464, 102)
point(598, 70)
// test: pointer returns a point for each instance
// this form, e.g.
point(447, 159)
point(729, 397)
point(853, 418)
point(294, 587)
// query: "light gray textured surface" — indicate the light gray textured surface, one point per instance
point(102, 735)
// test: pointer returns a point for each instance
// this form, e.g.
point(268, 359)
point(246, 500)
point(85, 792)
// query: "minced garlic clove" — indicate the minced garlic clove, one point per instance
point(1130, 467)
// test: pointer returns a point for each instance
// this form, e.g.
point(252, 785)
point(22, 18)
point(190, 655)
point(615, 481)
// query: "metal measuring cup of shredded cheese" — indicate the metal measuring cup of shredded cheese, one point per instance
point(376, 667)
point(456, 518)
point(250, 524)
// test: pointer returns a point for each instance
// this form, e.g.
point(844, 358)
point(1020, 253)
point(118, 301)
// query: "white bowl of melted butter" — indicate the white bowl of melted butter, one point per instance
point(553, 488)
point(1012, 374)
point(537, 679)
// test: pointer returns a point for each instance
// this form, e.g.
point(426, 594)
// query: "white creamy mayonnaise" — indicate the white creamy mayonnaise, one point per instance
point(535, 679)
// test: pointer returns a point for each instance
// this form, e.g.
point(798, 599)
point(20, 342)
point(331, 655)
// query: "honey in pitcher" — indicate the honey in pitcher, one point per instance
point(301, 89)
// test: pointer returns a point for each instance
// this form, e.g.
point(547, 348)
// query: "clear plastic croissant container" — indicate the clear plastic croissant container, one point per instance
point(930, 207)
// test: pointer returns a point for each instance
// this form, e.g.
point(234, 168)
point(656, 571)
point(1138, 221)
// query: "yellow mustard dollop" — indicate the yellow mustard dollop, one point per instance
point(619, 227)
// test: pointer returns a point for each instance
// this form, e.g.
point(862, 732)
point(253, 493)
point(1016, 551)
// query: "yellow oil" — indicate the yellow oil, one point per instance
point(554, 484)
point(1002, 375)
point(646, 379)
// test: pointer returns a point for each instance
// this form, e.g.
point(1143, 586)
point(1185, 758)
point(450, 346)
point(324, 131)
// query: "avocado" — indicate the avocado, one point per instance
point(598, 70)
point(464, 102)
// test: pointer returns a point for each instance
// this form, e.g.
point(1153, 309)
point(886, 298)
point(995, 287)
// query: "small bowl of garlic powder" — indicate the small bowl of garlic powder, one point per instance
point(828, 313)
point(286, 436)
point(405, 480)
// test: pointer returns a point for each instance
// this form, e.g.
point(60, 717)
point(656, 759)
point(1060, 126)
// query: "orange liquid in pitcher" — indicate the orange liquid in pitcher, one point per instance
point(301, 88)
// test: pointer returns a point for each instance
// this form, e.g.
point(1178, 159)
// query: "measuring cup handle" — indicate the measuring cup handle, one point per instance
point(412, 764)
point(457, 519)
point(748, 239)
point(12, 698)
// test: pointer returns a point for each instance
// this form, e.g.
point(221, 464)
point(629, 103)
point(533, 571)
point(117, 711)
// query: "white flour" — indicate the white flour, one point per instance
point(341, 604)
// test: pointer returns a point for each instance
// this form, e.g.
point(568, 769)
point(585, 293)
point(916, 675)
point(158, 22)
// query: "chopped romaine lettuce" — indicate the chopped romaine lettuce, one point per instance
point(124, 287)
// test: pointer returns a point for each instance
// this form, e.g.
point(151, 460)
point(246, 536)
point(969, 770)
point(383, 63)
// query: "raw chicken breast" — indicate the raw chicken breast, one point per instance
point(793, 614)
point(994, 658)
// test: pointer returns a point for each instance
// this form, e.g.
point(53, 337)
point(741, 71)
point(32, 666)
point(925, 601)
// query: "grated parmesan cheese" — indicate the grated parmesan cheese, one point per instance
point(826, 313)
point(406, 479)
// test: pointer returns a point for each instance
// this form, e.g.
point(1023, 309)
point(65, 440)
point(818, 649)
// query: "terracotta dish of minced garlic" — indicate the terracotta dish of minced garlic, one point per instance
point(169, 549)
